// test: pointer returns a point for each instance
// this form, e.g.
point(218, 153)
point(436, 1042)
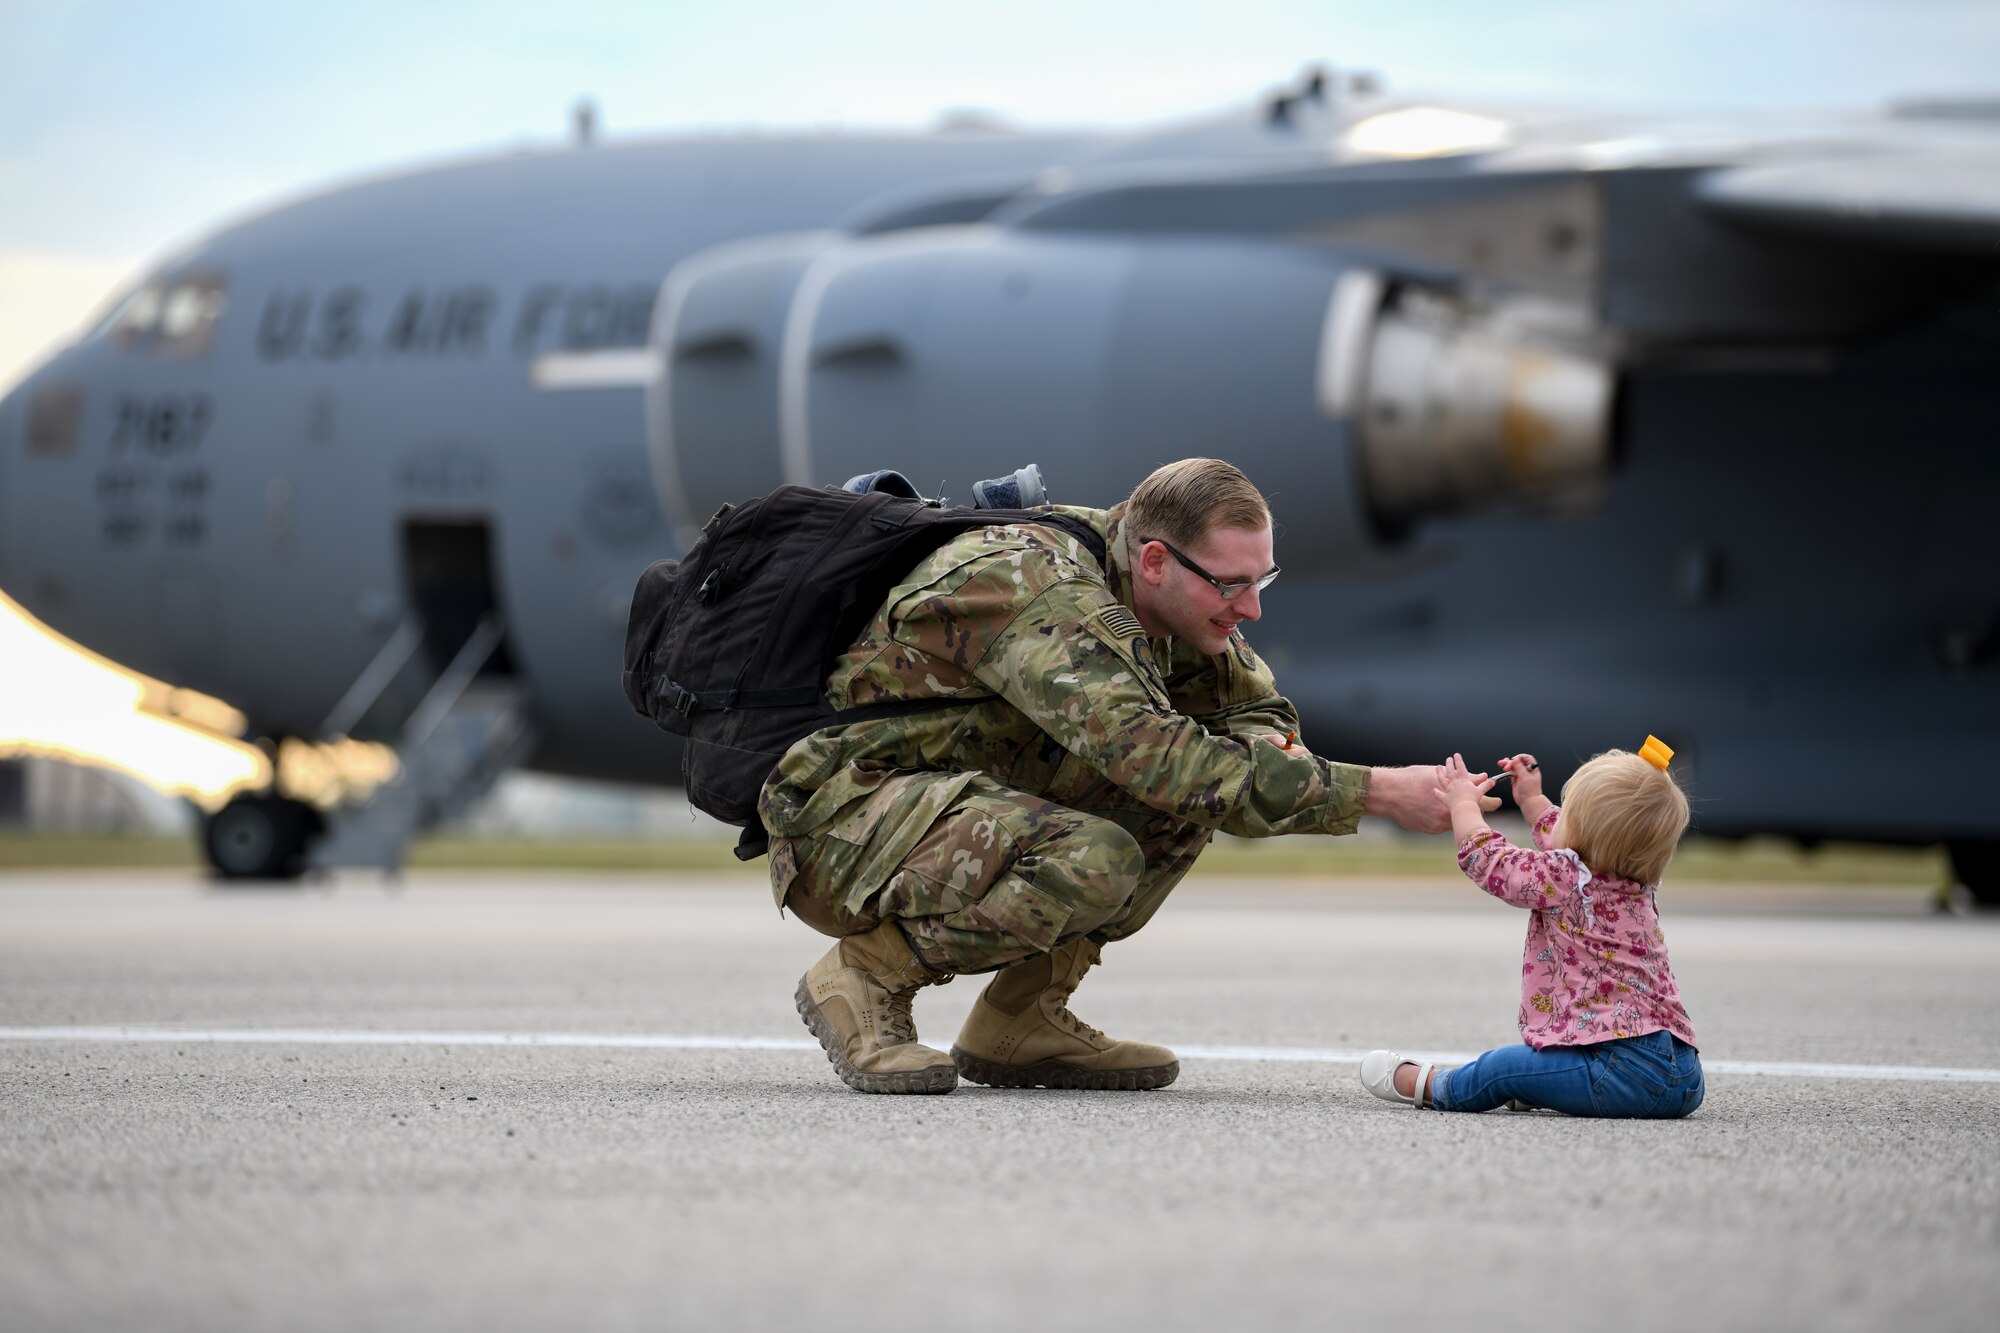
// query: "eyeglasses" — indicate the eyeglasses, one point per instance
point(1230, 591)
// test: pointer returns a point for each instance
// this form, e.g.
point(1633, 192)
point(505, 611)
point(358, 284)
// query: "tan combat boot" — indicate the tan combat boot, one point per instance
point(1021, 1034)
point(857, 999)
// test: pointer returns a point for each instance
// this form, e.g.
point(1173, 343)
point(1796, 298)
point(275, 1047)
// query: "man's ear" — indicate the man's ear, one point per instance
point(1152, 563)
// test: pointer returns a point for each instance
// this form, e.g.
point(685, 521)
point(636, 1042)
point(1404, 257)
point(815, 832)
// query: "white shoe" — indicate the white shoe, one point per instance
point(1378, 1075)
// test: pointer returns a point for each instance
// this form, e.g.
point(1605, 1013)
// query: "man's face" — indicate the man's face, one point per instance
point(1172, 600)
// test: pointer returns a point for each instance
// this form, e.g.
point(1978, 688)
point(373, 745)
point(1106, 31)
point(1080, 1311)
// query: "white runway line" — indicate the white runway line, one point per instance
point(670, 1042)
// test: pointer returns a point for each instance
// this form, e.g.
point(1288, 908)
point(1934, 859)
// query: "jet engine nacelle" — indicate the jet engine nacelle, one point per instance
point(954, 353)
point(712, 404)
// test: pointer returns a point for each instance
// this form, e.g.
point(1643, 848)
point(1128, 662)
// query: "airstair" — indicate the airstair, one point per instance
point(461, 738)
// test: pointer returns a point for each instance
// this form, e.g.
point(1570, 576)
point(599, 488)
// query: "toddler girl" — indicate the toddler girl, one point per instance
point(1601, 1017)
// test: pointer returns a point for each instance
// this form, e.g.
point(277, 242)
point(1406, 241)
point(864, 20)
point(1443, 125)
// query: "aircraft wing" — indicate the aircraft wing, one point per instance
point(1941, 200)
point(1258, 199)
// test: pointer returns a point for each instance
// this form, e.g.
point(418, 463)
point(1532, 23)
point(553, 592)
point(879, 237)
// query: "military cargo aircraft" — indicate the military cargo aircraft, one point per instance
point(1575, 429)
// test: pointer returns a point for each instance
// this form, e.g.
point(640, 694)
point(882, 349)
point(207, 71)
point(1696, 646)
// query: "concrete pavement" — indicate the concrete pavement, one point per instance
point(685, 1159)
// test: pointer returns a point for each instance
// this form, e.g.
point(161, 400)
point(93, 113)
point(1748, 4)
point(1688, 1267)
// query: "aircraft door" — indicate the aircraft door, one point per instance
point(448, 568)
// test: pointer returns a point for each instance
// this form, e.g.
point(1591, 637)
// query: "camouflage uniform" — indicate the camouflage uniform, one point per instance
point(1073, 787)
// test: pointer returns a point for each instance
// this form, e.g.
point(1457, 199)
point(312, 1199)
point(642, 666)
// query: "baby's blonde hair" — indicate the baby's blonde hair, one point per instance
point(1623, 816)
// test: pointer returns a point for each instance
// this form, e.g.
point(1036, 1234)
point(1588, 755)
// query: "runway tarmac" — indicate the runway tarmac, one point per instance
point(523, 1101)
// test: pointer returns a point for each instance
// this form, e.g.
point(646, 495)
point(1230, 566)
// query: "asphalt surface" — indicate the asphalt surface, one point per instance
point(292, 1173)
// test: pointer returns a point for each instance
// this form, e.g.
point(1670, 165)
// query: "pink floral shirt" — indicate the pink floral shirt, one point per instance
point(1595, 967)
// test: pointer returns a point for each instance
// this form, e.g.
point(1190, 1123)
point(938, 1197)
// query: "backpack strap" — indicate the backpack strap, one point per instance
point(685, 701)
point(902, 513)
point(1083, 532)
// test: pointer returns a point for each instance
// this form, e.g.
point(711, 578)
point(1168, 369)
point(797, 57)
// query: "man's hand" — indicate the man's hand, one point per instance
point(1403, 796)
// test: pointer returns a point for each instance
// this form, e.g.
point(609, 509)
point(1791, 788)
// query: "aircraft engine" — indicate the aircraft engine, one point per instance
point(711, 407)
point(952, 353)
point(1456, 409)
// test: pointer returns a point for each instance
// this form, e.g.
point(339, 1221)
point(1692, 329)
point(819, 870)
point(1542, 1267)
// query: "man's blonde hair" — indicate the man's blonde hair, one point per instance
point(1183, 502)
point(1623, 816)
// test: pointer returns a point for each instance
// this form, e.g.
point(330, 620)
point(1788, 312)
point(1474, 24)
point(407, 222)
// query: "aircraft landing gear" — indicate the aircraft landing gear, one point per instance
point(1977, 865)
point(260, 837)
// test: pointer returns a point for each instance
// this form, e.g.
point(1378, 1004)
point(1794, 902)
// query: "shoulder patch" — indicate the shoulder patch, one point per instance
point(1119, 622)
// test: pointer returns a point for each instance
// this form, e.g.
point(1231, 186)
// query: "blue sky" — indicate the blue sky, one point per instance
point(126, 127)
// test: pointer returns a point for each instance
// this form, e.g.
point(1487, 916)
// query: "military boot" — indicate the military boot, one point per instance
point(857, 999)
point(1021, 1034)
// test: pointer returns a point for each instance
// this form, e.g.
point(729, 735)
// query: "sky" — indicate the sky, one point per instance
point(129, 127)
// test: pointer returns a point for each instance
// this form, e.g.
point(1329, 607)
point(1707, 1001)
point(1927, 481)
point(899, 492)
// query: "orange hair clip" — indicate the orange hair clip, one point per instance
point(1656, 754)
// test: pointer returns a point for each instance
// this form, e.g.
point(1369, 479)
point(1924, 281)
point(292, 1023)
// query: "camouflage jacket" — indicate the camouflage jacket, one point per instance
point(1064, 697)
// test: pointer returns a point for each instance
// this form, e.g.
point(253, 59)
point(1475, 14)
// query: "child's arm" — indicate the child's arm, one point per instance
point(1543, 831)
point(1512, 874)
point(1526, 773)
point(1516, 875)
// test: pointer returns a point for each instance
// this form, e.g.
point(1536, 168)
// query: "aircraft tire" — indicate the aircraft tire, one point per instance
point(260, 837)
point(1977, 865)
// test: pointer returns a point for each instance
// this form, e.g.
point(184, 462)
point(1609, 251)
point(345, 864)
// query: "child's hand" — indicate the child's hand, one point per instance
point(1458, 786)
point(1527, 776)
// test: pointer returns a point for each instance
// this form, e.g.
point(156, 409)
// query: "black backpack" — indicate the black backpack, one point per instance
point(731, 646)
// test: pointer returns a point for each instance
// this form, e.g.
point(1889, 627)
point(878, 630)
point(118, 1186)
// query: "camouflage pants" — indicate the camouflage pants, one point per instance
point(1000, 875)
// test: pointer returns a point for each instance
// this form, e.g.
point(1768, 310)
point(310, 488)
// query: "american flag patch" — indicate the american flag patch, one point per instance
point(1120, 623)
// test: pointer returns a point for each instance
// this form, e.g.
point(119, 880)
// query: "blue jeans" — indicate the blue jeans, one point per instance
point(1654, 1077)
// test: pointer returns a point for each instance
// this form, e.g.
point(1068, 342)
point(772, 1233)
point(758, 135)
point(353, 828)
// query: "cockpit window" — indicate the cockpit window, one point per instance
point(174, 317)
point(137, 314)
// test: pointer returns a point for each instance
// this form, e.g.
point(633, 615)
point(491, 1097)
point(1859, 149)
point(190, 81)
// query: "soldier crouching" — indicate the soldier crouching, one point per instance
point(1093, 728)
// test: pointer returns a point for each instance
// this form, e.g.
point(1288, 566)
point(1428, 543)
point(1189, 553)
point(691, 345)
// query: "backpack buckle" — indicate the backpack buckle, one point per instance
point(682, 701)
